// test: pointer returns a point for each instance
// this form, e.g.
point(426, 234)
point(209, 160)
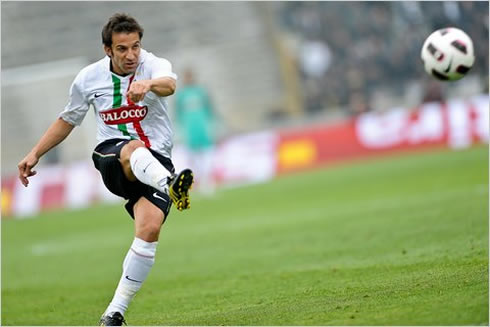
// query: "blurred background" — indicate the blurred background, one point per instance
point(292, 85)
point(337, 183)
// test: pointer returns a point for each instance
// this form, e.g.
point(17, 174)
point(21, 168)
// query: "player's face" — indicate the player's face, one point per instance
point(124, 52)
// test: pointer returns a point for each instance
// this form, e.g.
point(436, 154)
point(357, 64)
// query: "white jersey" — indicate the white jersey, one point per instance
point(116, 116)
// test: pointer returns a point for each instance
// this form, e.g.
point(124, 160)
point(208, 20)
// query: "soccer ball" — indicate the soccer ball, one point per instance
point(448, 54)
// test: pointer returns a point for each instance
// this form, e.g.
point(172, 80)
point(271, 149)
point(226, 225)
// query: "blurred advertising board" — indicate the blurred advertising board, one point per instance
point(455, 124)
point(259, 157)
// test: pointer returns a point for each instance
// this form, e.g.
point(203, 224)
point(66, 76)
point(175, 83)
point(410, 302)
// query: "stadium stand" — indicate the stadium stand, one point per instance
point(375, 48)
point(366, 55)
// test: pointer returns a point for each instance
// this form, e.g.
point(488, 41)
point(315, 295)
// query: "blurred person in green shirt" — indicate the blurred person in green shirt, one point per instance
point(196, 119)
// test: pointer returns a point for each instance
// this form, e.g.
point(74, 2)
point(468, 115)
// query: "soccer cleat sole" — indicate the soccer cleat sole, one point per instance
point(179, 189)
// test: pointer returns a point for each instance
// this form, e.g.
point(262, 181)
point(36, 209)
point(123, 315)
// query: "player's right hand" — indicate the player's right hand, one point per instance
point(25, 168)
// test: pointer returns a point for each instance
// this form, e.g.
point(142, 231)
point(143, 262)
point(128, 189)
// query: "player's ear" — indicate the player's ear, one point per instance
point(108, 51)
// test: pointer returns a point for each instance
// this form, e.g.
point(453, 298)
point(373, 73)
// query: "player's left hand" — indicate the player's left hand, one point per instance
point(138, 90)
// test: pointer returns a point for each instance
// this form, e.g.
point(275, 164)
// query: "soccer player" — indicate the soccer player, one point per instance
point(195, 117)
point(127, 89)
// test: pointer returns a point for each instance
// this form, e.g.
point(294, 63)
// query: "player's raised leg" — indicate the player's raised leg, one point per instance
point(148, 220)
point(139, 163)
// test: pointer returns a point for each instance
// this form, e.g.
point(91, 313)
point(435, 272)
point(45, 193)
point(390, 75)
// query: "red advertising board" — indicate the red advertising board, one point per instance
point(457, 123)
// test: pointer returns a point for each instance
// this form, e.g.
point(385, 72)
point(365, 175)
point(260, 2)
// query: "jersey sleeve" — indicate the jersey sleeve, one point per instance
point(78, 105)
point(161, 68)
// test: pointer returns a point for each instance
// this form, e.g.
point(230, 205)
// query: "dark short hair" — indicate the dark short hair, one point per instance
point(120, 23)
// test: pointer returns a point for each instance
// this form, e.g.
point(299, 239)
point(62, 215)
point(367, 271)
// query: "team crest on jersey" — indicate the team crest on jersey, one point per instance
point(123, 115)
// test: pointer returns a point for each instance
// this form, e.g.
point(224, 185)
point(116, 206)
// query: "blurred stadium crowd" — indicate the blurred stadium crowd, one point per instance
point(349, 51)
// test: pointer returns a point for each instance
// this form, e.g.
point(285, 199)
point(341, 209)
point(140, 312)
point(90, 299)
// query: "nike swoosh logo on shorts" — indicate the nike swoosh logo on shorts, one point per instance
point(133, 280)
point(119, 143)
point(96, 95)
point(158, 197)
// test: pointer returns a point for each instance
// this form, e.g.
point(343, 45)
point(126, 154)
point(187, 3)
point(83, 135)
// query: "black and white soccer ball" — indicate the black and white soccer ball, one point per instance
point(448, 54)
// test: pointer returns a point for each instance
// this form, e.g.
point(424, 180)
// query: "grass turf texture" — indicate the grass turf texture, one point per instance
point(393, 241)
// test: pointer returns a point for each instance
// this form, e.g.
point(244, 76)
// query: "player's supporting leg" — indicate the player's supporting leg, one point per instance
point(140, 258)
point(139, 163)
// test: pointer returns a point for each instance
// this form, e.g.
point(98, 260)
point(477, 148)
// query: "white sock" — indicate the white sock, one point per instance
point(148, 169)
point(136, 266)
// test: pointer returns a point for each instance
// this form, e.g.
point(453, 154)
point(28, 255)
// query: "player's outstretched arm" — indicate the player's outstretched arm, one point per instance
point(163, 86)
point(56, 133)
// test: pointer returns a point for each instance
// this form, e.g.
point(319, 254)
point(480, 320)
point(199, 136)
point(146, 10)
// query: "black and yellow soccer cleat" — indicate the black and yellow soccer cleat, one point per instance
point(179, 189)
point(112, 319)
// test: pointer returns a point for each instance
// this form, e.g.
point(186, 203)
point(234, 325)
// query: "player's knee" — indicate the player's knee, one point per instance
point(125, 157)
point(149, 228)
point(149, 232)
point(129, 148)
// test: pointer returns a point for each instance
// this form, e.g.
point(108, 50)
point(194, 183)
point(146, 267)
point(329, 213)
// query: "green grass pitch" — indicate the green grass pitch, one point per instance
point(401, 240)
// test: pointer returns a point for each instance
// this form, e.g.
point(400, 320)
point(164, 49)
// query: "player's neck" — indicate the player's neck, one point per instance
point(113, 71)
